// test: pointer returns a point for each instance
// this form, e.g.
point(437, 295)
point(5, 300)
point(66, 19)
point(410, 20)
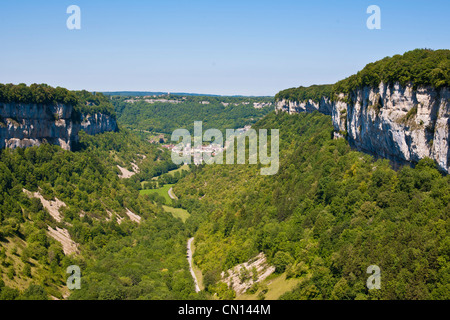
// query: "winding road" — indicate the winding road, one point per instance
point(189, 257)
point(172, 195)
point(189, 249)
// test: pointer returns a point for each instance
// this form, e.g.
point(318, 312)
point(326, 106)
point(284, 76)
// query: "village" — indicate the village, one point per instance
point(197, 152)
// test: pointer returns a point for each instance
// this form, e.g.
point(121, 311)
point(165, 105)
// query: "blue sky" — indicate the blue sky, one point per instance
point(219, 47)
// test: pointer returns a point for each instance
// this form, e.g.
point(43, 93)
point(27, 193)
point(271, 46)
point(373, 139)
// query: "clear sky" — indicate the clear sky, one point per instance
point(219, 47)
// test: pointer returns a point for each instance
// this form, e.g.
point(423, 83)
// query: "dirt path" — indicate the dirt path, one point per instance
point(172, 195)
point(189, 257)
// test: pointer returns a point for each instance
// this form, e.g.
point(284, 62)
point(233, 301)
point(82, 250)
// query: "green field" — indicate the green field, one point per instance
point(163, 191)
point(183, 167)
point(172, 172)
point(277, 285)
point(177, 212)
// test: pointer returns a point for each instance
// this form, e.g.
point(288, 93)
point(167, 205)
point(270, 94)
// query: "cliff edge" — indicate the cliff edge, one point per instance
point(27, 119)
point(403, 120)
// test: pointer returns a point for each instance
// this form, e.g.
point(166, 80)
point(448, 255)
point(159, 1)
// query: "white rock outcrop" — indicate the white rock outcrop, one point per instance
point(233, 277)
point(63, 237)
point(25, 125)
point(400, 123)
point(52, 206)
point(324, 106)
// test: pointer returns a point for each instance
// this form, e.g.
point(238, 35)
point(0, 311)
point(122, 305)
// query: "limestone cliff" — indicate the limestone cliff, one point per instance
point(324, 106)
point(24, 125)
point(396, 122)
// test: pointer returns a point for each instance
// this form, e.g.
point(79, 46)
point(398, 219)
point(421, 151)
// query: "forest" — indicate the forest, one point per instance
point(314, 92)
point(421, 67)
point(328, 214)
point(164, 117)
point(82, 101)
point(119, 258)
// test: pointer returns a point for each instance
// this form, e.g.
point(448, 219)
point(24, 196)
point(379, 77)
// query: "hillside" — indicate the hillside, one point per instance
point(421, 67)
point(36, 114)
point(327, 215)
point(396, 108)
point(71, 206)
point(164, 114)
point(84, 102)
point(95, 194)
point(61, 208)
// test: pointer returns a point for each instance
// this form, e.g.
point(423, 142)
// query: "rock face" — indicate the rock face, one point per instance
point(396, 122)
point(324, 106)
point(241, 277)
point(25, 125)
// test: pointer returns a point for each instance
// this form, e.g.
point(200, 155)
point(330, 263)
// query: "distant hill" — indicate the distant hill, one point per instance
point(165, 114)
point(150, 93)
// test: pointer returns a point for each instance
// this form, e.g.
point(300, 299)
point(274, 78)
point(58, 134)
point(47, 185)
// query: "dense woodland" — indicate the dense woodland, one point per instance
point(82, 101)
point(165, 117)
point(421, 67)
point(314, 92)
point(119, 261)
point(327, 215)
